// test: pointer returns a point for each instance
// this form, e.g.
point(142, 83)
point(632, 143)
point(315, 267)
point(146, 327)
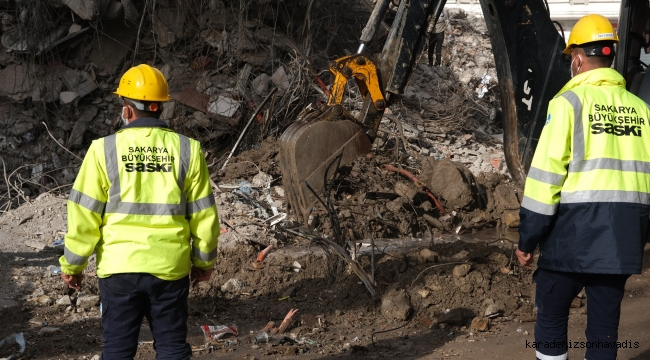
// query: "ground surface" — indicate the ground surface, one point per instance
point(336, 316)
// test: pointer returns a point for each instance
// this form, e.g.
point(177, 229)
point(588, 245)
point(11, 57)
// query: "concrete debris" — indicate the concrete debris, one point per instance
point(215, 38)
point(198, 119)
point(64, 301)
point(87, 301)
point(480, 324)
point(80, 126)
point(130, 11)
point(48, 330)
point(281, 79)
point(168, 110)
point(79, 82)
point(85, 9)
point(74, 28)
point(17, 82)
point(396, 305)
point(169, 25)
point(493, 308)
point(111, 46)
point(67, 97)
point(113, 10)
point(261, 84)
point(232, 285)
point(224, 106)
point(193, 98)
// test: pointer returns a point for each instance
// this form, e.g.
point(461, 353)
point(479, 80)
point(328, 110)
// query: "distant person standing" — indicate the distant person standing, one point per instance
point(437, 37)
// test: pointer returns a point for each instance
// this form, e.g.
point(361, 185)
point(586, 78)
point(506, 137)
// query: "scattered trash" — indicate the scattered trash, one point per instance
point(304, 340)
point(17, 338)
point(218, 331)
point(55, 270)
point(262, 337)
point(263, 253)
point(245, 187)
point(483, 87)
point(276, 219)
point(296, 266)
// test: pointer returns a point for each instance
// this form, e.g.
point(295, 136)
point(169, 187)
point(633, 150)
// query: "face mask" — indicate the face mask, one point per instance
point(571, 66)
point(125, 121)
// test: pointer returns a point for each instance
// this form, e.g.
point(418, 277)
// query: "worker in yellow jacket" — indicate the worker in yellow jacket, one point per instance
point(587, 197)
point(143, 201)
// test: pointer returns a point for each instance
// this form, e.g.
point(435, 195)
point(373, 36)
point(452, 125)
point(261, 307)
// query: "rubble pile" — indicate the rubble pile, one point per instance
point(61, 60)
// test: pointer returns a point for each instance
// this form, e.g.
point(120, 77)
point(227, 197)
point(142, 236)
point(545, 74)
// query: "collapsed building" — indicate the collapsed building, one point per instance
point(239, 74)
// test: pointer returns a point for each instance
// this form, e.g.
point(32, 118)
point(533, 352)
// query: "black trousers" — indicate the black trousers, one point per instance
point(127, 298)
point(555, 291)
point(435, 41)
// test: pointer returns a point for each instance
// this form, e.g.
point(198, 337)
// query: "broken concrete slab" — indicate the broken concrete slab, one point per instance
point(242, 81)
point(48, 87)
point(68, 96)
point(85, 9)
point(168, 110)
point(281, 79)
point(130, 11)
point(80, 126)
point(224, 106)
point(192, 98)
point(198, 119)
point(169, 26)
point(17, 81)
point(214, 38)
point(79, 82)
point(261, 84)
point(87, 301)
point(111, 46)
point(113, 10)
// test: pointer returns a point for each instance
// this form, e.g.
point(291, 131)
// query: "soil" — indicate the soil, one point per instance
point(428, 291)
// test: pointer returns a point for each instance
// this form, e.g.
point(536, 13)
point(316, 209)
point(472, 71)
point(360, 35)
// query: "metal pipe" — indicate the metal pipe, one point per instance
point(375, 19)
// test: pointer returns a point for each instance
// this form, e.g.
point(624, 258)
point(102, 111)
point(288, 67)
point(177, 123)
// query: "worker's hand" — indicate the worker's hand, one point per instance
point(73, 281)
point(198, 275)
point(525, 259)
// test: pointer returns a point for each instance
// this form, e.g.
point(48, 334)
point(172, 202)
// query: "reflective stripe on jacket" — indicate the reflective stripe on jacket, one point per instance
point(587, 196)
point(141, 197)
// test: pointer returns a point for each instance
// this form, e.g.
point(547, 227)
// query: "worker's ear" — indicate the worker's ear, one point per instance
point(128, 111)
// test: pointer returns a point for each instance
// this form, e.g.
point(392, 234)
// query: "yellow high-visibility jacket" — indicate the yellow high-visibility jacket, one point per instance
point(587, 196)
point(143, 200)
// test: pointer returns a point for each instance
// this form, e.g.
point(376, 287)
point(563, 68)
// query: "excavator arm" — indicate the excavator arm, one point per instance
point(527, 50)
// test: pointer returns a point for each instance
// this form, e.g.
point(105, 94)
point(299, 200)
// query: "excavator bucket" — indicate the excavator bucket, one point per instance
point(312, 148)
point(310, 153)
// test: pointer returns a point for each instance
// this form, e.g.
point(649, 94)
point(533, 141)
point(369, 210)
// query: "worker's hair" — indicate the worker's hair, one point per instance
point(142, 113)
point(601, 61)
